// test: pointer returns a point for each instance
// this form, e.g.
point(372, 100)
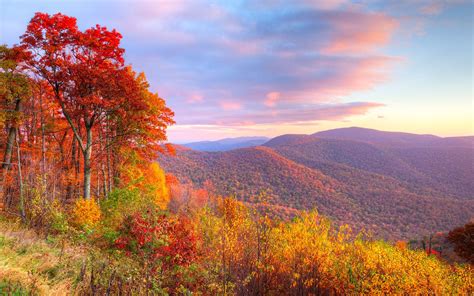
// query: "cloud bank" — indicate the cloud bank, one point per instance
point(234, 63)
point(260, 62)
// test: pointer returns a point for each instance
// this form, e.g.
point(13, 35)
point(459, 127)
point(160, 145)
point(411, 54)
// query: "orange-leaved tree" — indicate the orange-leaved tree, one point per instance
point(104, 102)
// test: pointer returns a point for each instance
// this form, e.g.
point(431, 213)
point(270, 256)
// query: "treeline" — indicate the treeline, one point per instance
point(74, 115)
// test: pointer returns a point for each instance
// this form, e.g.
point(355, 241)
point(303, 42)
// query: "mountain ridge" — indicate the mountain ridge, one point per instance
point(226, 143)
point(398, 190)
point(389, 137)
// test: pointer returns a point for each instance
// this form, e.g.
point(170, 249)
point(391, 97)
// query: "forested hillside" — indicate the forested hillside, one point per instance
point(446, 164)
point(395, 186)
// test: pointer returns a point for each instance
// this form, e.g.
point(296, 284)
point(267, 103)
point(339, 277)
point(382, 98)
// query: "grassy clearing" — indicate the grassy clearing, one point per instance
point(33, 265)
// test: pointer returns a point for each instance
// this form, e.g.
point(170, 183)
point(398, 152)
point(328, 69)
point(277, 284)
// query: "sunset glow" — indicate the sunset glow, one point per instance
point(274, 67)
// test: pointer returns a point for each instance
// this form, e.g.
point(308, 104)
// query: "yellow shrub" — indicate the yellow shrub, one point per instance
point(308, 256)
point(155, 184)
point(85, 212)
point(150, 180)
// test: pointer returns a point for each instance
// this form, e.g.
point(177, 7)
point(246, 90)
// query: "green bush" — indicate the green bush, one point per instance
point(12, 289)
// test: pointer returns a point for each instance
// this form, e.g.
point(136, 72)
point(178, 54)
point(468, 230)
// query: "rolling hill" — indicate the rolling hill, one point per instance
point(445, 164)
point(397, 139)
point(394, 184)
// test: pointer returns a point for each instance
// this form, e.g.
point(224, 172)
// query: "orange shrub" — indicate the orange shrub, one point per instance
point(401, 245)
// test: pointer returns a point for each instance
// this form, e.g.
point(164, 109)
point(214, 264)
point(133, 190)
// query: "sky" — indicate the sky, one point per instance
point(272, 67)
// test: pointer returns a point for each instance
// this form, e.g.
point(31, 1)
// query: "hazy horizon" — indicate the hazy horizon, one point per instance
point(180, 142)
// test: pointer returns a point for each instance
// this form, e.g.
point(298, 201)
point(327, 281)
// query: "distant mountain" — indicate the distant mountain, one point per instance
point(445, 165)
point(398, 185)
point(395, 138)
point(227, 144)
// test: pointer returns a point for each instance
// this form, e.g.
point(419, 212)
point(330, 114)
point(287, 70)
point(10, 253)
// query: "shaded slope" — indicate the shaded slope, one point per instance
point(355, 154)
point(451, 170)
point(444, 164)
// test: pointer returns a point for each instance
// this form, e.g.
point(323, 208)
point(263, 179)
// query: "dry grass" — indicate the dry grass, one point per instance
point(35, 265)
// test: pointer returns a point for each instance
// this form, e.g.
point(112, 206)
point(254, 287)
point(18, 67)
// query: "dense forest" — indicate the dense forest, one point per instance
point(86, 208)
point(398, 188)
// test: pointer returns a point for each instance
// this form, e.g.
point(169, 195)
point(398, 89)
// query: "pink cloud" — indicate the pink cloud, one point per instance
point(342, 77)
point(315, 4)
point(240, 47)
point(195, 98)
point(359, 32)
point(326, 4)
point(432, 8)
point(317, 53)
point(166, 9)
point(272, 98)
point(277, 52)
point(363, 74)
point(329, 112)
point(229, 106)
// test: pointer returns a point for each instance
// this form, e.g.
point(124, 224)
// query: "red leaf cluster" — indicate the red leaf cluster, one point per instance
point(157, 238)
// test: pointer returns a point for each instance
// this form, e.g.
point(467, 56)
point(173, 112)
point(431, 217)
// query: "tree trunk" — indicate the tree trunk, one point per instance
point(87, 164)
point(109, 169)
point(104, 179)
point(43, 140)
point(109, 172)
point(7, 157)
point(20, 179)
point(9, 148)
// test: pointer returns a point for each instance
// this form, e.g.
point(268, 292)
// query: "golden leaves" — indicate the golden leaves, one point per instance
point(85, 213)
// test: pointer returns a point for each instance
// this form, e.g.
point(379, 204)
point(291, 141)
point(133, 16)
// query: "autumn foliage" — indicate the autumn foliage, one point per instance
point(463, 240)
point(155, 237)
point(82, 133)
point(150, 181)
point(100, 104)
point(309, 256)
point(85, 213)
